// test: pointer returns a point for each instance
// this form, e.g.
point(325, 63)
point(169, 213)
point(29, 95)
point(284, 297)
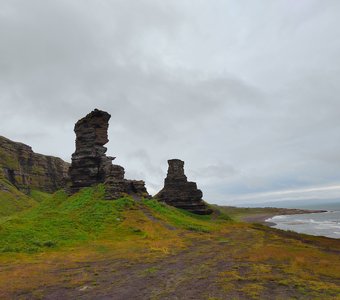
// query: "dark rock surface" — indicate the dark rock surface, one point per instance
point(181, 193)
point(28, 170)
point(89, 162)
point(91, 166)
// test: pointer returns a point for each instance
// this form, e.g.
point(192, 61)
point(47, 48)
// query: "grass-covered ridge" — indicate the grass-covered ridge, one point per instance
point(186, 220)
point(58, 220)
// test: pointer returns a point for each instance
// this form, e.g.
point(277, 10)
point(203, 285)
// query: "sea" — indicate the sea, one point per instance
point(320, 224)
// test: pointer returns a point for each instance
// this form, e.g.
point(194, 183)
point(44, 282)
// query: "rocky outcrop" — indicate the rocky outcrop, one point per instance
point(181, 193)
point(89, 162)
point(91, 166)
point(27, 170)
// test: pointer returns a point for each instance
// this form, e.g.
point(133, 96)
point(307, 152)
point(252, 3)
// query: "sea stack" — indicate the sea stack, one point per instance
point(181, 193)
point(91, 166)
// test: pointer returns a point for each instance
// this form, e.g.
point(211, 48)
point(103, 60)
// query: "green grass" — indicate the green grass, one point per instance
point(243, 260)
point(12, 200)
point(60, 220)
point(8, 160)
point(183, 219)
point(39, 196)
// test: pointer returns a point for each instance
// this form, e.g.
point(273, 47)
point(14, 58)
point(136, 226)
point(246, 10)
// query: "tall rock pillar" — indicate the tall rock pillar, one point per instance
point(91, 166)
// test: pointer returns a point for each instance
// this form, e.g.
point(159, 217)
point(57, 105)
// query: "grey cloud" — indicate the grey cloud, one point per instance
point(246, 92)
point(219, 171)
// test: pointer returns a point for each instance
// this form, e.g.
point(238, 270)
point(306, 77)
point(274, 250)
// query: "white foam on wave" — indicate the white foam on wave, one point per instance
point(278, 218)
point(327, 224)
point(314, 223)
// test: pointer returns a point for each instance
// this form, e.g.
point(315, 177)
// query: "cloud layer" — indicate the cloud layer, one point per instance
point(246, 92)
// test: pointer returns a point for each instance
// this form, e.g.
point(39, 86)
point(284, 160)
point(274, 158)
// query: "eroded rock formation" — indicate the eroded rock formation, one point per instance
point(89, 162)
point(181, 193)
point(28, 170)
point(91, 166)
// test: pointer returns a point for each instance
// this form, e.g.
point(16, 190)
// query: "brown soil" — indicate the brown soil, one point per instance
point(194, 273)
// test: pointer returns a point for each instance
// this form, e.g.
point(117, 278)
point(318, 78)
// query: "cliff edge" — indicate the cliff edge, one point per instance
point(27, 170)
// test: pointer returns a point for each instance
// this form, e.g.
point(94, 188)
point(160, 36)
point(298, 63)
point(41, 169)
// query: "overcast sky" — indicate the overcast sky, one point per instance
point(246, 92)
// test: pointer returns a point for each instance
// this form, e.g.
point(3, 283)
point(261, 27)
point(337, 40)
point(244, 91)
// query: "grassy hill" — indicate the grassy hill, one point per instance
point(83, 246)
point(12, 200)
point(60, 221)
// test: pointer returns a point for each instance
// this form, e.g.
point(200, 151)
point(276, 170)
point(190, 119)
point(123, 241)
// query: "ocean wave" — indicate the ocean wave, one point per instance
point(327, 224)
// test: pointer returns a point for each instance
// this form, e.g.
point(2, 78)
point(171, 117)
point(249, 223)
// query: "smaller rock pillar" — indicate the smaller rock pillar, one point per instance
point(180, 192)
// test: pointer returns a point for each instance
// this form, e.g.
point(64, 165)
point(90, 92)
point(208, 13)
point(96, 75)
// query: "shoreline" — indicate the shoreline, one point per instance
point(262, 217)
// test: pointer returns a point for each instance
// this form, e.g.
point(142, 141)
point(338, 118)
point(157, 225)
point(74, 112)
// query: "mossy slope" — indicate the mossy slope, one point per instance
point(12, 200)
point(60, 220)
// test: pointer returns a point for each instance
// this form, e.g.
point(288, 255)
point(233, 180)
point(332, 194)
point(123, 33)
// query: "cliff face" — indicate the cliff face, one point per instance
point(27, 170)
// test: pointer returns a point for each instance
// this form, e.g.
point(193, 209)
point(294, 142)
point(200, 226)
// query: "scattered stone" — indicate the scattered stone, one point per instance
point(84, 288)
point(91, 166)
point(181, 193)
